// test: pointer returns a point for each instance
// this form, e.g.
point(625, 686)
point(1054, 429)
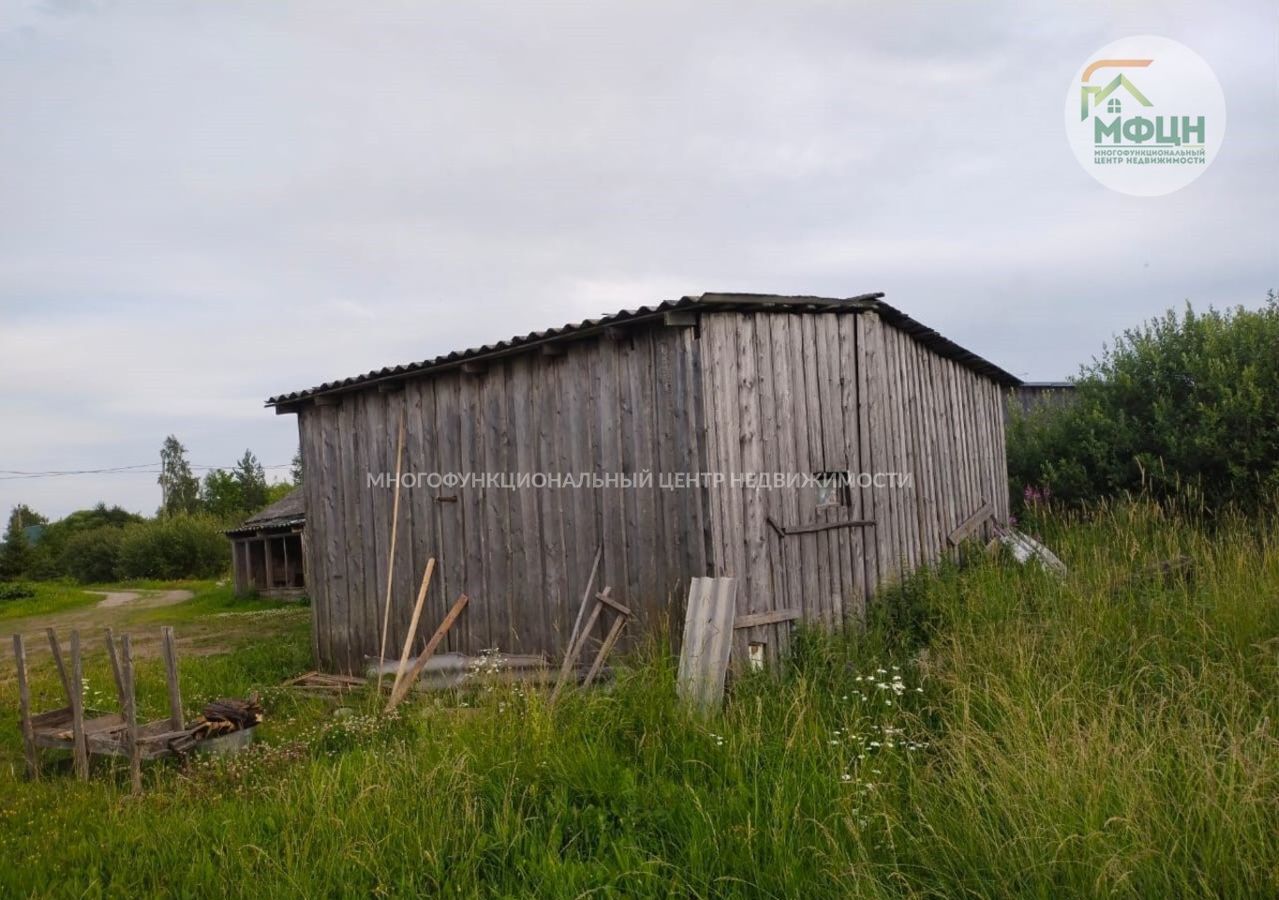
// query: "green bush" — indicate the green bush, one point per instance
point(1183, 406)
point(49, 558)
point(16, 590)
point(173, 547)
point(93, 555)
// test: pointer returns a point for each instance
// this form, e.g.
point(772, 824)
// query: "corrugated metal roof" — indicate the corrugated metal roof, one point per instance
point(288, 510)
point(718, 302)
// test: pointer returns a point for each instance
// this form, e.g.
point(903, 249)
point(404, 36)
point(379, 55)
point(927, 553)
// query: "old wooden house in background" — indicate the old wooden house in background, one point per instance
point(267, 556)
point(719, 384)
point(1035, 395)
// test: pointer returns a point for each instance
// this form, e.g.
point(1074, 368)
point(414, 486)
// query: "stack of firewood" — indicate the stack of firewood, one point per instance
point(226, 716)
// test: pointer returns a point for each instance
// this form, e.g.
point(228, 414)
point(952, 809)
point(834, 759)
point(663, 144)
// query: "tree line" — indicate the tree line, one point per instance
point(225, 494)
point(1184, 408)
point(184, 539)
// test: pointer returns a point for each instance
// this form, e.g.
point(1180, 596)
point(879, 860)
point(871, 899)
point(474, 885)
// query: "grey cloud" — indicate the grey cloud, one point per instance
point(209, 203)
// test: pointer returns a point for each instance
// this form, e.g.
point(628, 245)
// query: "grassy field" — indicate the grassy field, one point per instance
point(50, 597)
point(994, 731)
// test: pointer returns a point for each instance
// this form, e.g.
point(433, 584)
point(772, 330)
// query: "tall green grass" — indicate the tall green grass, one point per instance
point(1011, 733)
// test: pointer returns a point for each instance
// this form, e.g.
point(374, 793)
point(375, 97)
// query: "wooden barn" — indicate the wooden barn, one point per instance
point(1033, 395)
point(267, 556)
point(813, 448)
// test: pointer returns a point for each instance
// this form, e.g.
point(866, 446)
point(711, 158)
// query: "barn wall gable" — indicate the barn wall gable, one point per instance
point(620, 406)
point(920, 436)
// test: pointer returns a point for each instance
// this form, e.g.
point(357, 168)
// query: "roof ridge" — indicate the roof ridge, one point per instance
point(708, 300)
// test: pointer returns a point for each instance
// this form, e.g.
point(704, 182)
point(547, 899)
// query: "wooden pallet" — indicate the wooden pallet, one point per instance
point(112, 734)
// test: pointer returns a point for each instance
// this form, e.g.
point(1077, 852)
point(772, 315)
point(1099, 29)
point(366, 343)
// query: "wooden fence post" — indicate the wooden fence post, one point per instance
point(169, 646)
point(115, 667)
point(24, 699)
point(80, 748)
point(56, 649)
point(130, 710)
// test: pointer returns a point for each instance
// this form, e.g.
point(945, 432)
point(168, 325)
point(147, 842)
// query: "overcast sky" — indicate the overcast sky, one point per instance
point(203, 204)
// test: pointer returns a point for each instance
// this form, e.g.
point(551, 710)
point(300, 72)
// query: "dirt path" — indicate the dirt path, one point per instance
point(141, 599)
point(115, 610)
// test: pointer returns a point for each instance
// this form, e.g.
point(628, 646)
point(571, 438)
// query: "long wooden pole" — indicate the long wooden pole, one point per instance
point(417, 614)
point(390, 556)
point(586, 596)
point(613, 634)
point(407, 682)
point(570, 649)
point(602, 599)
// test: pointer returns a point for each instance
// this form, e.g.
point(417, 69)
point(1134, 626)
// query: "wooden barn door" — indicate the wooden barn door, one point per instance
point(782, 399)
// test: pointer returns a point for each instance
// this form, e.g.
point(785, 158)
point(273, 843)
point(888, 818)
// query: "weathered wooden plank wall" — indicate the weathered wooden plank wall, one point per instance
point(839, 392)
point(766, 392)
point(625, 405)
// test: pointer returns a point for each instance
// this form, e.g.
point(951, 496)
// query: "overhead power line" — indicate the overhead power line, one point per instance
point(140, 469)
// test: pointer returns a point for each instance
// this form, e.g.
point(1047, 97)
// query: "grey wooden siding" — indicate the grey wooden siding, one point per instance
point(1026, 398)
point(828, 392)
point(627, 405)
point(780, 392)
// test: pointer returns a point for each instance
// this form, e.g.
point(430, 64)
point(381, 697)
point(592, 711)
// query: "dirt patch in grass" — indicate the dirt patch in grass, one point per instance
point(141, 599)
